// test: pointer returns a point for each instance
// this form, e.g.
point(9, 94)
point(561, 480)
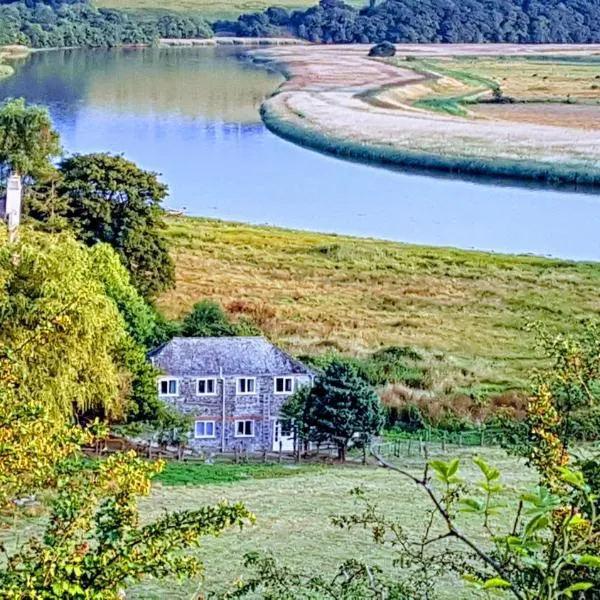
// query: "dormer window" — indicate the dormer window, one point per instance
point(246, 385)
point(168, 387)
point(284, 385)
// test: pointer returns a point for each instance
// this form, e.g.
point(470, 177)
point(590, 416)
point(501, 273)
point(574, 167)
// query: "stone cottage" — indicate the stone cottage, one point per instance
point(234, 387)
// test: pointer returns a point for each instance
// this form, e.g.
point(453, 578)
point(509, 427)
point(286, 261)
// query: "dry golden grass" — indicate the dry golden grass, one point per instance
point(577, 116)
point(531, 79)
point(313, 291)
point(437, 410)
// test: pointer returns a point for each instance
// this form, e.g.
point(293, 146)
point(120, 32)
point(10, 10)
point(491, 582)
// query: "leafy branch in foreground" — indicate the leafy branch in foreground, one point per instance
point(94, 545)
point(353, 581)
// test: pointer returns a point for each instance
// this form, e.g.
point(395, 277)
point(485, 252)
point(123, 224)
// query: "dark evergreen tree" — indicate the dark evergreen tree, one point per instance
point(340, 406)
point(110, 199)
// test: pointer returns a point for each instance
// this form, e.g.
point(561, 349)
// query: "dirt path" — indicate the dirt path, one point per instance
point(338, 92)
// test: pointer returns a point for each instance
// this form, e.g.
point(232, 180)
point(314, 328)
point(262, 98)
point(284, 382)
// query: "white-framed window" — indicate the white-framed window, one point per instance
point(246, 385)
point(168, 387)
point(244, 428)
point(206, 387)
point(283, 385)
point(204, 429)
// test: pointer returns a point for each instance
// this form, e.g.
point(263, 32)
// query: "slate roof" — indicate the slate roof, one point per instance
point(213, 356)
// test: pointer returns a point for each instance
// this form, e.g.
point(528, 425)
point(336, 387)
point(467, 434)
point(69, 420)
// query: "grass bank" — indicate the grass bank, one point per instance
point(417, 113)
point(553, 173)
point(314, 292)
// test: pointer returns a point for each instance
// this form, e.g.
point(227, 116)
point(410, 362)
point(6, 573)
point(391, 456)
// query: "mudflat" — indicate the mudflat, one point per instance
point(447, 101)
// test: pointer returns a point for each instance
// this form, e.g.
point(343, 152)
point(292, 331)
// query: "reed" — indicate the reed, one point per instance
point(556, 174)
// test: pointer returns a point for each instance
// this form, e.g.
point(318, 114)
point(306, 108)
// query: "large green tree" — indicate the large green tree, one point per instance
point(28, 141)
point(340, 406)
point(110, 199)
point(49, 293)
point(139, 316)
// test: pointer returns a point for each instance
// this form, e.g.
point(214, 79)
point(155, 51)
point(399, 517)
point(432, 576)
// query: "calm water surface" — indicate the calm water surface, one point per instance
point(192, 115)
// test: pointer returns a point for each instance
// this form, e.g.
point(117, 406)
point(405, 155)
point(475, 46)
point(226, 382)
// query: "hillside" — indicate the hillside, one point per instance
point(314, 291)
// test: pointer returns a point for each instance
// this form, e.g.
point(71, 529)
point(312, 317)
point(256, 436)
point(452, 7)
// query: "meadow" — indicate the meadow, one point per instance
point(294, 519)
point(209, 9)
point(315, 292)
point(459, 82)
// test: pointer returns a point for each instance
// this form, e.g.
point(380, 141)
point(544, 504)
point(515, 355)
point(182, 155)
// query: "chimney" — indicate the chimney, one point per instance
point(11, 211)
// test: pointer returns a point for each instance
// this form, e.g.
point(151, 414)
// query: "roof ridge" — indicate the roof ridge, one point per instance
point(220, 337)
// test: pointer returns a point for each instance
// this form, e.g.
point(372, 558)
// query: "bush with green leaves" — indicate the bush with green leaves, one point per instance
point(208, 319)
point(394, 364)
point(94, 546)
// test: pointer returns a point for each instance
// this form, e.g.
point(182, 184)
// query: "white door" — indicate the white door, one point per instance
point(282, 432)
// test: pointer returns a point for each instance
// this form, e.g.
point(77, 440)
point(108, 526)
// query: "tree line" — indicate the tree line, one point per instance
point(428, 21)
point(66, 24)
point(62, 23)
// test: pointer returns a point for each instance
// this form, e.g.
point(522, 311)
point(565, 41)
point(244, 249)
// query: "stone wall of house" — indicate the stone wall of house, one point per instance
point(262, 408)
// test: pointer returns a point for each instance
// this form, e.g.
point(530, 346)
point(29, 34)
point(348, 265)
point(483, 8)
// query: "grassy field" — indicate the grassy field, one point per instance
point(180, 473)
point(293, 516)
point(209, 9)
point(293, 519)
point(313, 292)
point(527, 79)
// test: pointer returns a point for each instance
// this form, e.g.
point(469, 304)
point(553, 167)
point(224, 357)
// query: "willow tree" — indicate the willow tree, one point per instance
point(28, 141)
point(62, 329)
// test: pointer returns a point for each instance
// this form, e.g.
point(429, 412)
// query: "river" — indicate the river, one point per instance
point(191, 114)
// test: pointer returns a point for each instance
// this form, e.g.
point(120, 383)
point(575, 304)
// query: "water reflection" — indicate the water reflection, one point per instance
point(192, 114)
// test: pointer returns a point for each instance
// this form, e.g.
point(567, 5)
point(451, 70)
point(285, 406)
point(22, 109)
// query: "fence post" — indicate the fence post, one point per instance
point(421, 447)
point(408, 446)
point(482, 434)
point(235, 454)
point(444, 442)
point(280, 451)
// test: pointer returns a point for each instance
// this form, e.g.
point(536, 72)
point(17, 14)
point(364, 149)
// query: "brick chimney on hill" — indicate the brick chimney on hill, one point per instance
point(10, 205)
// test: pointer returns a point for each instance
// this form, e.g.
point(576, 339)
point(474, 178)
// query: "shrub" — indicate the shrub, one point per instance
point(383, 49)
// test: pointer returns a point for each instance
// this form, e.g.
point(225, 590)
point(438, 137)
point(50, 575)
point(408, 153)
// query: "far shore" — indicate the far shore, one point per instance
point(9, 53)
point(338, 100)
point(232, 41)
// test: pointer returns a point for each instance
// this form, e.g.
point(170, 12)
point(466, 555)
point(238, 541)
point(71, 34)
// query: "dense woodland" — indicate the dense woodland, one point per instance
point(57, 23)
point(420, 21)
point(61, 23)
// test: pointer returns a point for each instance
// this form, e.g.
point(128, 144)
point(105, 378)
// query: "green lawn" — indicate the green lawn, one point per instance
point(293, 519)
point(181, 473)
point(209, 9)
point(293, 515)
point(312, 292)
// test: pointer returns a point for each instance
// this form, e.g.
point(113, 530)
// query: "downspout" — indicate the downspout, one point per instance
point(270, 431)
point(223, 409)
